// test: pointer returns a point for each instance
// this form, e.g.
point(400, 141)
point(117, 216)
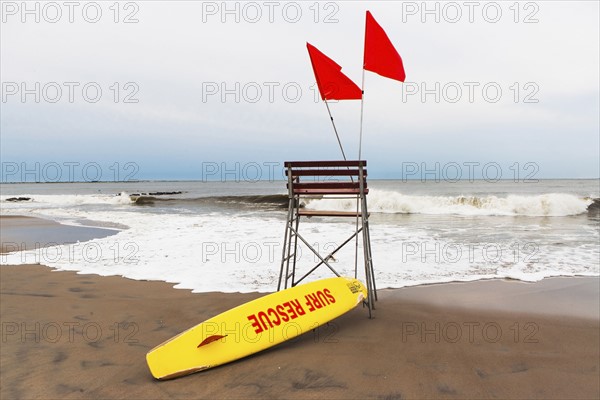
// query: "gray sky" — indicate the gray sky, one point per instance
point(185, 86)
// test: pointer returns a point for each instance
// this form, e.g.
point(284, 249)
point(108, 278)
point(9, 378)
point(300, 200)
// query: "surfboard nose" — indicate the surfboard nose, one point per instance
point(363, 290)
point(357, 287)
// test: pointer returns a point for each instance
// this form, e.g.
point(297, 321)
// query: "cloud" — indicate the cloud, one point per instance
point(232, 79)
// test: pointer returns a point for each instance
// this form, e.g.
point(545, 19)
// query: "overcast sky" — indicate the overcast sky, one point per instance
point(174, 87)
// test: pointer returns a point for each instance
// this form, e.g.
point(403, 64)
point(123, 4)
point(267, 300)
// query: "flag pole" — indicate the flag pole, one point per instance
point(335, 129)
point(362, 103)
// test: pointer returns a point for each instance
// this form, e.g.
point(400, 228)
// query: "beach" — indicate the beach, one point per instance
point(186, 183)
point(69, 335)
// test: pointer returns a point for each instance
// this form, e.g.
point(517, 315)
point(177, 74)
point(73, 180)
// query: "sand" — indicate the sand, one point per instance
point(20, 233)
point(72, 336)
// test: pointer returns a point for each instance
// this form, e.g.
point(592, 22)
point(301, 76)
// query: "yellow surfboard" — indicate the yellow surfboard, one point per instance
point(255, 326)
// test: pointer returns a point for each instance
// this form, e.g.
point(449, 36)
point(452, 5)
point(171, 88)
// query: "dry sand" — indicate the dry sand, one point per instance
point(73, 336)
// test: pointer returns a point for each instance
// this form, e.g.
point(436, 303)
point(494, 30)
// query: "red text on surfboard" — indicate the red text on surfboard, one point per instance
point(284, 312)
point(319, 299)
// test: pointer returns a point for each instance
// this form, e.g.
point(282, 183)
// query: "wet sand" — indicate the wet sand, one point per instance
point(20, 233)
point(72, 336)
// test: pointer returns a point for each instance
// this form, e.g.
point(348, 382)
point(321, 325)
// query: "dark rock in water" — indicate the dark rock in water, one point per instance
point(153, 194)
point(594, 207)
point(15, 199)
point(163, 193)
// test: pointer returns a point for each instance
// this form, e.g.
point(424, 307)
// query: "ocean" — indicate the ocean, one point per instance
point(227, 236)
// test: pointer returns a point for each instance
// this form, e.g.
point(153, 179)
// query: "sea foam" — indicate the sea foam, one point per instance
point(241, 251)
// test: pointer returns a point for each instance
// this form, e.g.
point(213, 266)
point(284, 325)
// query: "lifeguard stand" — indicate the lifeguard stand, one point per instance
point(332, 179)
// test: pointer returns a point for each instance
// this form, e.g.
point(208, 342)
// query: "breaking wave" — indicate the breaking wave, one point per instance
point(380, 201)
point(550, 205)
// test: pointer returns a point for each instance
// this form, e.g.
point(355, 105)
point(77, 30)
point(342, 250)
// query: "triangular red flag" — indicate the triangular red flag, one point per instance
point(380, 55)
point(332, 83)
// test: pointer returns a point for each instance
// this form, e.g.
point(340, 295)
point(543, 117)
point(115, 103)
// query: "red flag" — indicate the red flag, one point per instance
point(380, 55)
point(332, 83)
